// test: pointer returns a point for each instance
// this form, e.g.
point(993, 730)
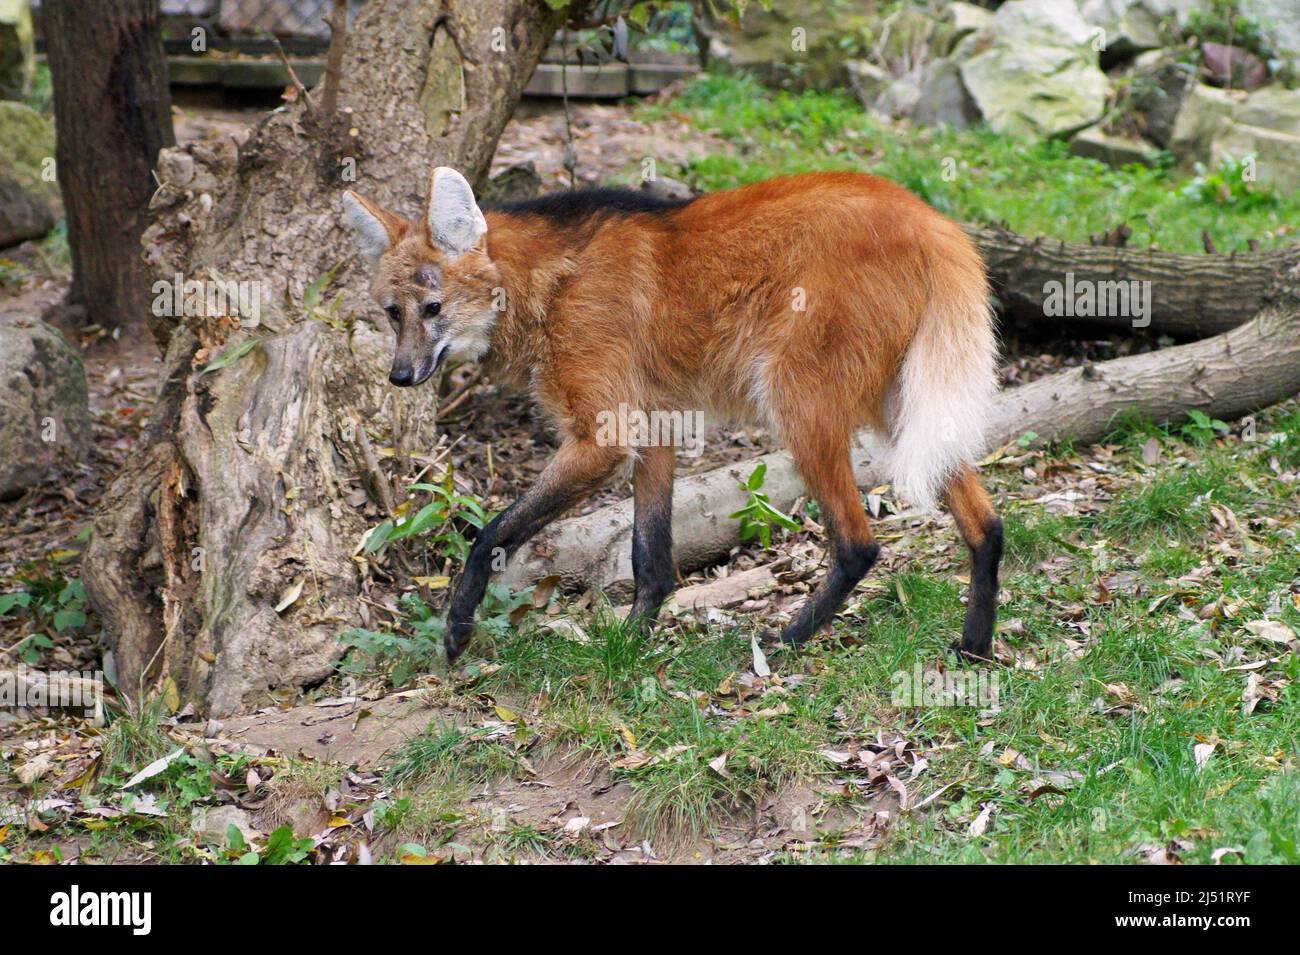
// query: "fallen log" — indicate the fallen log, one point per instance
point(1191, 296)
point(1232, 374)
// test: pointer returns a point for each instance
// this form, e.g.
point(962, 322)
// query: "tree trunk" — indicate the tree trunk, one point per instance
point(1242, 370)
point(113, 109)
point(226, 555)
point(1190, 295)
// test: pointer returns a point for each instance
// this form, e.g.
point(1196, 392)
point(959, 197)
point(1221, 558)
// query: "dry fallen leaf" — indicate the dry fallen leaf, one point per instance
point(760, 659)
point(290, 595)
point(1203, 752)
point(34, 769)
point(981, 822)
point(1271, 630)
point(836, 756)
point(1151, 451)
point(154, 768)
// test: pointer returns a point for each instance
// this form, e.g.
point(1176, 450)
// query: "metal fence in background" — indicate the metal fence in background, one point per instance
point(235, 19)
point(245, 24)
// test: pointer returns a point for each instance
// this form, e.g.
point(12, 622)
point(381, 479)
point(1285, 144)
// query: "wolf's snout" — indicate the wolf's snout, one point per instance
point(402, 375)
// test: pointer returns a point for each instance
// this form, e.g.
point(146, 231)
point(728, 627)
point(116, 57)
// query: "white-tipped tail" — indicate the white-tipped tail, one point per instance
point(940, 403)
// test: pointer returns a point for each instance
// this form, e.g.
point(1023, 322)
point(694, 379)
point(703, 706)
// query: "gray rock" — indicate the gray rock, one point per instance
point(1216, 125)
point(17, 49)
point(1273, 107)
point(1039, 75)
point(1274, 154)
point(1113, 150)
point(666, 187)
point(1205, 113)
point(899, 97)
point(868, 81)
point(1158, 83)
point(1130, 26)
point(26, 143)
point(1279, 20)
point(966, 18)
point(520, 181)
point(943, 99)
point(210, 826)
point(44, 416)
point(798, 44)
point(22, 216)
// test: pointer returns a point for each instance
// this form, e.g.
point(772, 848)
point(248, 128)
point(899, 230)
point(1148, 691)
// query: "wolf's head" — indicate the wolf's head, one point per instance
point(433, 278)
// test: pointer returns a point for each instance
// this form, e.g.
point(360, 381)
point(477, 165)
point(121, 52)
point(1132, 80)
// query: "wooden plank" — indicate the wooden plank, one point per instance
point(608, 81)
point(242, 73)
point(644, 79)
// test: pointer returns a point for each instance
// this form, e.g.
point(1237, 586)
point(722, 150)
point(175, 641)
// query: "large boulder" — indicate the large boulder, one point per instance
point(801, 44)
point(1274, 154)
point(1113, 149)
point(1129, 26)
point(1206, 111)
point(942, 99)
point(1038, 75)
point(1273, 107)
point(27, 153)
point(21, 216)
point(966, 18)
point(44, 416)
point(1217, 125)
point(17, 49)
point(1266, 125)
point(868, 81)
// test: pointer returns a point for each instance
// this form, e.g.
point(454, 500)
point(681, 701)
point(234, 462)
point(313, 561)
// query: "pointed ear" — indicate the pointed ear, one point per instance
point(377, 228)
point(456, 224)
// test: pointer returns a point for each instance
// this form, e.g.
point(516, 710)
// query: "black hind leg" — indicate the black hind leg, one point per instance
point(653, 569)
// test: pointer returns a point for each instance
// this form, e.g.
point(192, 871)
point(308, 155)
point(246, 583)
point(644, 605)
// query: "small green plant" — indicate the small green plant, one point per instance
point(440, 523)
point(12, 274)
point(54, 249)
point(1231, 184)
point(758, 516)
point(1285, 440)
point(41, 97)
point(1201, 429)
point(55, 604)
point(400, 657)
point(314, 304)
point(281, 848)
point(1223, 21)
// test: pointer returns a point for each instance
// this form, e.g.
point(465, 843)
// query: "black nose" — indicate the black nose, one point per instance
point(402, 376)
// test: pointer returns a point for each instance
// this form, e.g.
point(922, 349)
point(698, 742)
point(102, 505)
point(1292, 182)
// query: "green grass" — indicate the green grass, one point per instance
point(1110, 693)
point(975, 175)
point(1124, 630)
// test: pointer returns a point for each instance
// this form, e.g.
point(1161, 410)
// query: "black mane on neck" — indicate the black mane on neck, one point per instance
point(576, 205)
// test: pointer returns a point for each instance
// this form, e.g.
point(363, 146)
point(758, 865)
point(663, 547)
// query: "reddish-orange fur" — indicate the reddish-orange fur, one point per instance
point(790, 303)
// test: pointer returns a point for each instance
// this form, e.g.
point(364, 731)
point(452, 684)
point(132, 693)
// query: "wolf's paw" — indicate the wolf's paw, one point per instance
point(457, 638)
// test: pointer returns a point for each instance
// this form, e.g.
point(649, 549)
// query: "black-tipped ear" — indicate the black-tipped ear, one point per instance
point(377, 228)
point(456, 223)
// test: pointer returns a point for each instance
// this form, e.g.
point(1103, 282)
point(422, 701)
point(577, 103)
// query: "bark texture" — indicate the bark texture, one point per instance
point(1191, 295)
point(113, 109)
point(1242, 370)
point(225, 556)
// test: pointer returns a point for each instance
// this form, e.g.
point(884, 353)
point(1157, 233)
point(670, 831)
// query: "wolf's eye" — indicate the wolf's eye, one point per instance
point(431, 309)
point(394, 314)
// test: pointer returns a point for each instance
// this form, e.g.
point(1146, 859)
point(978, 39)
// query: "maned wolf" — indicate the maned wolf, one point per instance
point(811, 305)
